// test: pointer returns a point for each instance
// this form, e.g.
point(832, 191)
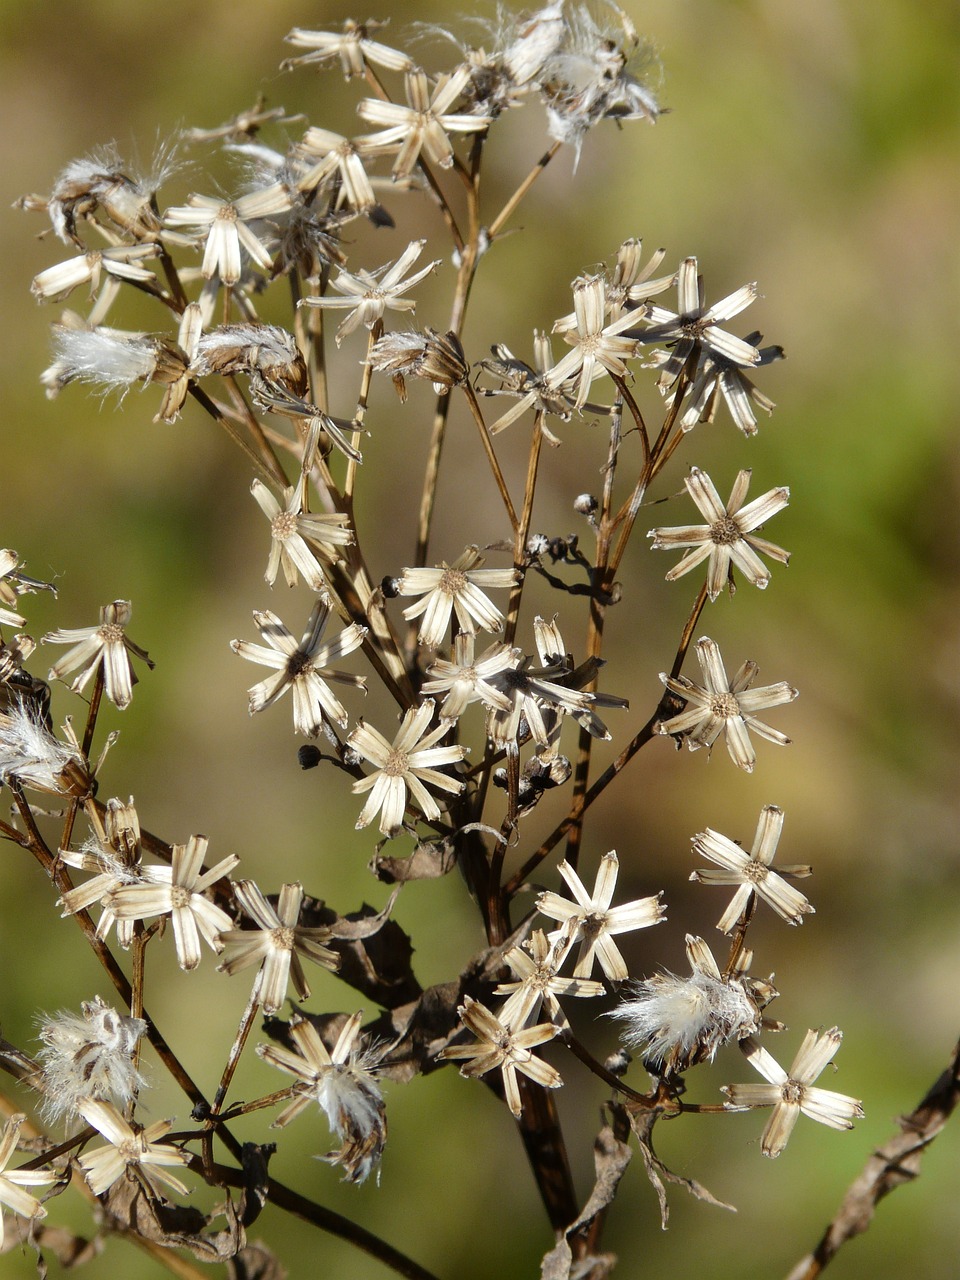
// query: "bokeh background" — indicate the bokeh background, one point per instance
point(811, 147)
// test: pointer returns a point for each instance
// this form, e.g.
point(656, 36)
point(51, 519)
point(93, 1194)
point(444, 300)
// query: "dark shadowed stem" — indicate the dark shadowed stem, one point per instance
point(292, 1202)
point(546, 1150)
point(497, 909)
point(601, 583)
point(496, 226)
point(599, 1070)
point(97, 696)
point(895, 1163)
point(179, 298)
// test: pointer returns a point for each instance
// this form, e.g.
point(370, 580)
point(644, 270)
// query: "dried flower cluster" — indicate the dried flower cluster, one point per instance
point(480, 678)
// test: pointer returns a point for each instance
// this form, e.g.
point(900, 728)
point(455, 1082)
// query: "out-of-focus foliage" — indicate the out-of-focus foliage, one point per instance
point(810, 147)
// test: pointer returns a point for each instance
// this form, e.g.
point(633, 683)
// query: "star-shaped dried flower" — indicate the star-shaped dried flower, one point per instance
point(725, 706)
point(792, 1093)
point(594, 922)
point(341, 156)
point(353, 46)
point(499, 1045)
point(454, 588)
point(107, 644)
point(117, 262)
point(676, 1022)
point(696, 326)
point(302, 668)
point(292, 528)
point(131, 1149)
point(467, 678)
point(423, 124)
point(277, 943)
point(368, 294)
point(223, 227)
point(597, 348)
point(411, 762)
point(12, 1181)
point(179, 894)
point(536, 965)
point(728, 538)
point(342, 1084)
point(752, 871)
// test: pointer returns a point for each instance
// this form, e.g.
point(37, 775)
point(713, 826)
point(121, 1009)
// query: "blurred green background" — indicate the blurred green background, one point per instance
point(811, 147)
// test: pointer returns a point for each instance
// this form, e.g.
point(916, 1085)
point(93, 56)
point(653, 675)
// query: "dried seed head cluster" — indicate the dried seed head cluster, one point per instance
point(252, 292)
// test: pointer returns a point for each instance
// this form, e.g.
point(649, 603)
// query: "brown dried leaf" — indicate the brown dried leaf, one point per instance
point(428, 861)
point(610, 1159)
point(642, 1122)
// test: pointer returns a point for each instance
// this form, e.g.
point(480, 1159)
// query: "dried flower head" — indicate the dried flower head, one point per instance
point(277, 943)
point(106, 645)
point(342, 1083)
point(31, 756)
point(793, 1092)
point(592, 921)
point(752, 872)
point(677, 1022)
point(90, 1056)
point(728, 537)
point(132, 1150)
point(178, 891)
point(12, 1181)
point(411, 762)
point(724, 706)
point(454, 589)
point(369, 294)
point(303, 668)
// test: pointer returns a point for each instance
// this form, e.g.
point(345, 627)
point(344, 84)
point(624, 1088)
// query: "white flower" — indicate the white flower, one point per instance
point(302, 668)
point(222, 225)
point(352, 46)
point(129, 1147)
point(454, 588)
point(424, 123)
point(107, 645)
point(410, 762)
point(278, 943)
point(792, 1093)
point(12, 1181)
point(593, 921)
point(467, 678)
point(695, 327)
point(536, 966)
point(368, 294)
point(597, 348)
point(728, 538)
point(292, 528)
point(178, 891)
point(752, 872)
point(499, 1045)
point(725, 706)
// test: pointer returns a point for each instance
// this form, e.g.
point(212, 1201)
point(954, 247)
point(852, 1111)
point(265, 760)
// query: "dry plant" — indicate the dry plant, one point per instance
point(497, 709)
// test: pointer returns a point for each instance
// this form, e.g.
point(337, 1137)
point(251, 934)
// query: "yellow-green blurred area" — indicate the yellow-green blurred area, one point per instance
point(812, 147)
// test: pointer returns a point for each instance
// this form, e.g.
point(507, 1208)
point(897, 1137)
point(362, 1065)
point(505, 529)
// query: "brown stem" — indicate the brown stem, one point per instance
point(496, 226)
